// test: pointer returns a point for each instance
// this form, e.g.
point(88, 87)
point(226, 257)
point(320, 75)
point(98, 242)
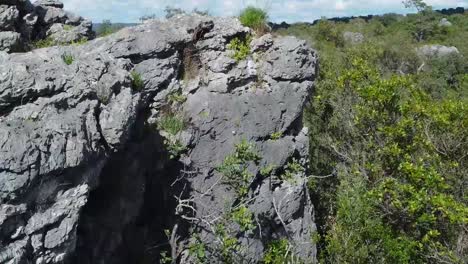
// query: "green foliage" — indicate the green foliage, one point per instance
point(67, 27)
point(44, 43)
point(137, 81)
point(177, 97)
point(106, 28)
point(276, 135)
point(419, 5)
point(391, 128)
point(229, 247)
point(175, 148)
point(255, 18)
point(171, 123)
point(164, 258)
point(268, 170)
point(396, 212)
point(235, 167)
point(67, 58)
point(241, 48)
point(328, 31)
point(80, 42)
point(292, 168)
point(243, 217)
point(280, 252)
point(198, 249)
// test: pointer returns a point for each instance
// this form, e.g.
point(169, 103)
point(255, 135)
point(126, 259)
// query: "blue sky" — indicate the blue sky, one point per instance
point(280, 10)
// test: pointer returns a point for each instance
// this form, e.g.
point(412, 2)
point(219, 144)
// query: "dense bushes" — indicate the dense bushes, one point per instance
point(255, 18)
point(390, 129)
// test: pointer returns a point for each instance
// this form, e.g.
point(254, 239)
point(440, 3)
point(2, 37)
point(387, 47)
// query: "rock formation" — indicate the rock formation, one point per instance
point(353, 37)
point(429, 51)
point(22, 23)
point(108, 147)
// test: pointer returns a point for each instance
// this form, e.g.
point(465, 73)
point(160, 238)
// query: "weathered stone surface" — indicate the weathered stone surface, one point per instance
point(8, 17)
point(353, 37)
point(89, 175)
point(436, 51)
point(445, 23)
point(52, 3)
point(43, 19)
point(10, 41)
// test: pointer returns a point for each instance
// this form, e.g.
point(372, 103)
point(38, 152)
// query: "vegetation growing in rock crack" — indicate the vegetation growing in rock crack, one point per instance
point(255, 18)
point(67, 58)
point(44, 43)
point(280, 252)
point(240, 48)
point(276, 135)
point(172, 124)
point(235, 167)
point(137, 81)
point(176, 97)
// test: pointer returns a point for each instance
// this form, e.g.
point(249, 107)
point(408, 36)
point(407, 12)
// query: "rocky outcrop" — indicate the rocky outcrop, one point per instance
point(353, 37)
point(107, 145)
point(430, 51)
point(444, 22)
point(22, 23)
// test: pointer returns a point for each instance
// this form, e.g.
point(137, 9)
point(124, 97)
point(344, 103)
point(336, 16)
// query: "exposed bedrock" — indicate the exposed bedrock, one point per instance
point(23, 23)
point(109, 150)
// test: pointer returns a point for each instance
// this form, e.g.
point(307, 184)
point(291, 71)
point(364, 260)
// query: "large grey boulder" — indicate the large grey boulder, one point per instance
point(444, 22)
point(90, 174)
point(10, 41)
point(353, 37)
point(8, 17)
point(438, 51)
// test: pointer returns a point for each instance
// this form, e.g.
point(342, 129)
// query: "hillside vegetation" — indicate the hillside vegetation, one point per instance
point(389, 134)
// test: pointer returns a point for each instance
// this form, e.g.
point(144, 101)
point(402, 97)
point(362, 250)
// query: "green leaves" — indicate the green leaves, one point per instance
point(137, 81)
point(255, 18)
point(240, 48)
point(235, 167)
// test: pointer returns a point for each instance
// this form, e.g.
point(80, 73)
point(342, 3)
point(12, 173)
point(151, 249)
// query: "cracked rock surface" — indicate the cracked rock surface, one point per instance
point(89, 175)
point(23, 22)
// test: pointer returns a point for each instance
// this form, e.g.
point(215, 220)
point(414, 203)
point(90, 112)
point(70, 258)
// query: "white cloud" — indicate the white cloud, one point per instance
point(280, 10)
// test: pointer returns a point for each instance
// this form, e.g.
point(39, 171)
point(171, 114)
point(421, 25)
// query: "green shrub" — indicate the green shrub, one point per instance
point(67, 58)
point(67, 27)
point(243, 217)
point(44, 43)
point(276, 135)
point(255, 18)
point(137, 81)
point(235, 167)
point(329, 31)
point(280, 252)
point(80, 42)
point(241, 48)
point(171, 123)
point(176, 97)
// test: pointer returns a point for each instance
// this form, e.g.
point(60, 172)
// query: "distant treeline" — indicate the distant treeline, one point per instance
point(284, 25)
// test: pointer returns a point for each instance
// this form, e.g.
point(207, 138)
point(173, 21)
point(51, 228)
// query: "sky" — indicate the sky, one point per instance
point(280, 10)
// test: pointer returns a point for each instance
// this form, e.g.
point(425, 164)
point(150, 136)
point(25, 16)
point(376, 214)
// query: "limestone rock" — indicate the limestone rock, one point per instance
point(445, 23)
point(353, 37)
point(96, 153)
point(436, 51)
point(43, 19)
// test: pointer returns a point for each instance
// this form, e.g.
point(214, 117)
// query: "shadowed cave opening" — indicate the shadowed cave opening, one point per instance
point(126, 217)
